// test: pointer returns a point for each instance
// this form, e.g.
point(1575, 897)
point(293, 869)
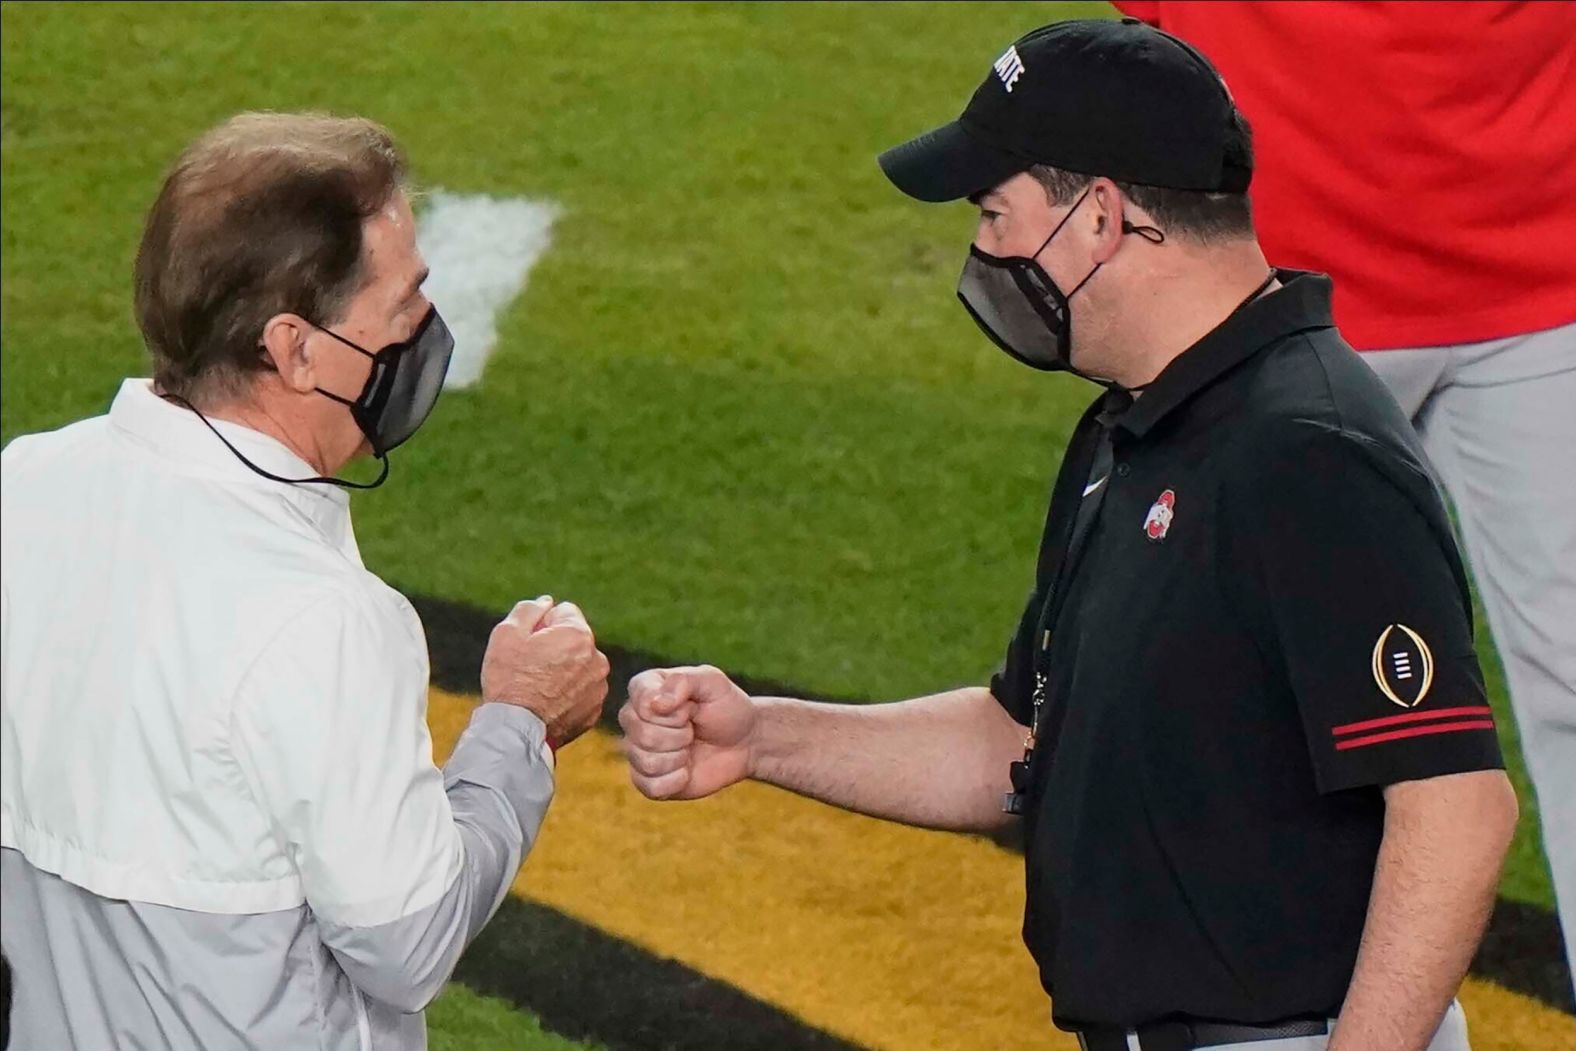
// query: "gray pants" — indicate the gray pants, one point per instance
point(1452, 1036)
point(1498, 419)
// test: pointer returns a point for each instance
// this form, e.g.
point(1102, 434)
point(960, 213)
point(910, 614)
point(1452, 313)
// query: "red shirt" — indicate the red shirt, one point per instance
point(1423, 154)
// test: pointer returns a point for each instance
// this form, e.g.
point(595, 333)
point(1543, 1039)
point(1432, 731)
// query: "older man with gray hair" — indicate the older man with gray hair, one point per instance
point(220, 818)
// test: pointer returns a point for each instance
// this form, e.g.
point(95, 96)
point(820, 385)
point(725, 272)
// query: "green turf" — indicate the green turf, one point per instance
point(738, 414)
point(460, 1020)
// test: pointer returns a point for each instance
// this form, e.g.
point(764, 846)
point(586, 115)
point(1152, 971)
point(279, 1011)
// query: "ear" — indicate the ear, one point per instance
point(1106, 209)
point(284, 343)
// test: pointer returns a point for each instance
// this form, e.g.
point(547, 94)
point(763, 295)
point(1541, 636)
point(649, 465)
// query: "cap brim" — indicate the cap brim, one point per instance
point(947, 164)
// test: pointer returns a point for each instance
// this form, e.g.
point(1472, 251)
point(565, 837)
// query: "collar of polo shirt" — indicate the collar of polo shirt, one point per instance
point(1302, 302)
point(177, 436)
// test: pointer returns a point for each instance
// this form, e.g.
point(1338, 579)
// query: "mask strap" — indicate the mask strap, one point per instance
point(331, 396)
point(358, 348)
point(342, 483)
point(1061, 224)
point(1148, 233)
point(355, 406)
point(1085, 281)
point(268, 363)
point(421, 329)
point(346, 402)
point(355, 413)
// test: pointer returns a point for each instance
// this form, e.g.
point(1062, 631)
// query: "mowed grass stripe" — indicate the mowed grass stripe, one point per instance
point(883, 935)
point(463, 1020)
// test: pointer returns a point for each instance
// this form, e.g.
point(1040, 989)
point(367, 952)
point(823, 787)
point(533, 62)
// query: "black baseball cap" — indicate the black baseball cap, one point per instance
point(1118, 99)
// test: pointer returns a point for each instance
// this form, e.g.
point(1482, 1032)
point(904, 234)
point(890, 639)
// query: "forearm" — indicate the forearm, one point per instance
point(499, 781)
point(1444, 842)
point(499, 784)
point(938, 762)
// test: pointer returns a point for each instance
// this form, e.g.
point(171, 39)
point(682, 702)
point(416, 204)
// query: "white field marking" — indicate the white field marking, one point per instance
point(481, 250)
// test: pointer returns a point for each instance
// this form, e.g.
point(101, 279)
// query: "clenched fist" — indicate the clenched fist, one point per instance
point(686, 732)
point(543, 657)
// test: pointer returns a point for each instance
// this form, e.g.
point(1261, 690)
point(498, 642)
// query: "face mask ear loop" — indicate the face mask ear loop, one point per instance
point(1148, 233)
point(1085, 281)
point(319, 480)
point(331, 396)
point(358, 348)
point(269, 364)
point(426, 323)
point(353, 407)
point(1058, 229)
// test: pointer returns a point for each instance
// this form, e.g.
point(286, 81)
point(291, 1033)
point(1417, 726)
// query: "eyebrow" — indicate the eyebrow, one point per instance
point(979, 198)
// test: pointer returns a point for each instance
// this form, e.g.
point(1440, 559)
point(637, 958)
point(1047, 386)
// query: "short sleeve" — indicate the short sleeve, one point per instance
point(330, 728)
point(1013, 683)
point(1356, 594)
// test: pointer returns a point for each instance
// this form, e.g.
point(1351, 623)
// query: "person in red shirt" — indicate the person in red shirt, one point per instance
point(1424, 155)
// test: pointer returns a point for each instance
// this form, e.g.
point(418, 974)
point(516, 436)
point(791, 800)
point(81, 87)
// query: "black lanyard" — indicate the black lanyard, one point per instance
point(1096, 481)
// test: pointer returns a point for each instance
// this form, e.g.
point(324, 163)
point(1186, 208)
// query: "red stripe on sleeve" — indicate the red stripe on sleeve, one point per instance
point(1415, 731)
point(1410, 717)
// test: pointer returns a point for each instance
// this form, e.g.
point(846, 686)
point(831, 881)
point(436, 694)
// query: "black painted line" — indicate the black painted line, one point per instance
point(587, 984)
point(1523, 949)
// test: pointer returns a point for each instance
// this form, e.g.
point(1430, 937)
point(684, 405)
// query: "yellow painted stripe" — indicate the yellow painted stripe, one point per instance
point(885, 935)
point(1501, 1020)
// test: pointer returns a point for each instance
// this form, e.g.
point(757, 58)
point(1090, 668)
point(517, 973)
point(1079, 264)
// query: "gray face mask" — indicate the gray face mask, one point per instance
point(1015, 302)
point(403, 386)
point(401, 389)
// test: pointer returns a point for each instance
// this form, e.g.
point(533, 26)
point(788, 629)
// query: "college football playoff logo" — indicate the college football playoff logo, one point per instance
point(1403, 666)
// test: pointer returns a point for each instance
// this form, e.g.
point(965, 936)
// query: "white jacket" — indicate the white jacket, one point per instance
point(210, 705)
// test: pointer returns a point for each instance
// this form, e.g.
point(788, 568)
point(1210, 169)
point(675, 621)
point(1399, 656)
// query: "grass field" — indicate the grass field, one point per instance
point(737, 413)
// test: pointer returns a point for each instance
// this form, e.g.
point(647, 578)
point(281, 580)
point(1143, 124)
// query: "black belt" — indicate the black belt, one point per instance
point(1186, 1036)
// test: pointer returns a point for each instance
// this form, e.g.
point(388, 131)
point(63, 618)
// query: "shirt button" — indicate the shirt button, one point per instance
point(1123, 470)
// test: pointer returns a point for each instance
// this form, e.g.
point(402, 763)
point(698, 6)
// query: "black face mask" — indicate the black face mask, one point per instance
point(1015, 302)
point(401, 389)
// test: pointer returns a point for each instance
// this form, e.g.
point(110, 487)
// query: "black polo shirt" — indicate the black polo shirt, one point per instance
point(1262, 621)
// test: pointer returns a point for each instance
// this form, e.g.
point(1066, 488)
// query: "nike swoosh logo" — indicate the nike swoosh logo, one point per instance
point(1092, 486)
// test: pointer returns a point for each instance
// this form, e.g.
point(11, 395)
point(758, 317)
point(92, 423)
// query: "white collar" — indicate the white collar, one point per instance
point(176, 434)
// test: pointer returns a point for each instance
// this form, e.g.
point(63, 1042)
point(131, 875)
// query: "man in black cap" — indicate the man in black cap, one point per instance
point(1241, 719)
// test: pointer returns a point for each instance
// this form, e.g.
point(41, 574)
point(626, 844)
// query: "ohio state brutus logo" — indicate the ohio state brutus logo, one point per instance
point(1403, 666)
point(1161, 512)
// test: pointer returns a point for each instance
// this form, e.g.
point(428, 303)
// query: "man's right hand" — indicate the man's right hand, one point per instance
point(543, 657)
point(687, 732)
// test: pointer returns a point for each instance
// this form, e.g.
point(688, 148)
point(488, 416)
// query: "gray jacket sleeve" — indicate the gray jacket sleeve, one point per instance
point(499, 782)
